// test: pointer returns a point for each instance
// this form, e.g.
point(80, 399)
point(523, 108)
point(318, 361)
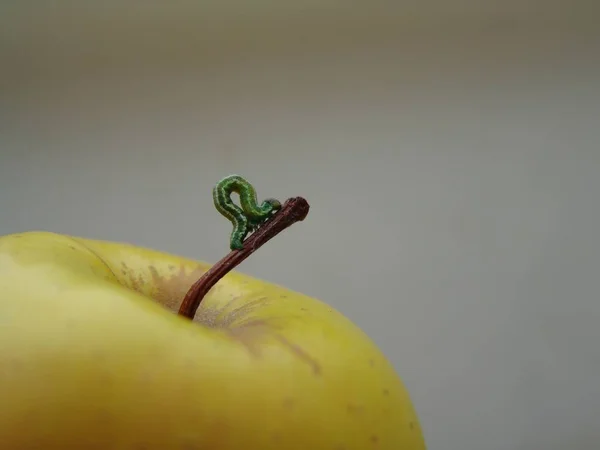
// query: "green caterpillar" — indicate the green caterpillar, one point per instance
point(250, 216)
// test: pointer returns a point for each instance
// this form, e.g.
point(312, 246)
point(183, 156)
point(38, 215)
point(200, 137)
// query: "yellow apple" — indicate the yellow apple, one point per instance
point(92, 356)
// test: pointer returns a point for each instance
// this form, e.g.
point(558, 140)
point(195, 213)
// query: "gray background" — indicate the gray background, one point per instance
point(453, 145)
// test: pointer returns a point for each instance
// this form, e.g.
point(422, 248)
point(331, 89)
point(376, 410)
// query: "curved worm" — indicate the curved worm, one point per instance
point(250, 215)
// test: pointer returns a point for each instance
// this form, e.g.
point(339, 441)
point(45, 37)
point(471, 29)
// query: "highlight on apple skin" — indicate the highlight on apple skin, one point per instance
point(94, 356)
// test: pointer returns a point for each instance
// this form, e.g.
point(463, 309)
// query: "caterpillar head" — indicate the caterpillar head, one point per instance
point(271, 205)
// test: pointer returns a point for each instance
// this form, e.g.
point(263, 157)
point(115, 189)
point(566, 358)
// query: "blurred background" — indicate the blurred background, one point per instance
point(449, 151)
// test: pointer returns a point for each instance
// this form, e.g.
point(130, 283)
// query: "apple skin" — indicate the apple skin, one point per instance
point(92, 357)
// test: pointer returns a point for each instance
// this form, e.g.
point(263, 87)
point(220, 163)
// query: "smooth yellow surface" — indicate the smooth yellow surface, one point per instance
point(92, 357)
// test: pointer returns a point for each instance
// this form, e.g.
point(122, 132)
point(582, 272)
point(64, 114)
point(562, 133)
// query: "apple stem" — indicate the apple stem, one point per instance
point(294, 210)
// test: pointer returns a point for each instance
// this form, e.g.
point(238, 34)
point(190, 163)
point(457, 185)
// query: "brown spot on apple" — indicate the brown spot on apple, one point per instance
point(168, 290)
point(374, 439)
point(289, 403)
point(249, 335)
point(371, 363)
point(225, 317)
point(386, 392)
point(300, 353)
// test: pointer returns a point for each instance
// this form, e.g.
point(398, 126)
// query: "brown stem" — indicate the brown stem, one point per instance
point(293, 210)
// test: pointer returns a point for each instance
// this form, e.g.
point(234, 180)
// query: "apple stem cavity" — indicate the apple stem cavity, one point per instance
point(294, 210)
